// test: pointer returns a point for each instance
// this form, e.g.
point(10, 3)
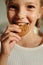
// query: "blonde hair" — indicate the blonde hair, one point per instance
point(41, 1)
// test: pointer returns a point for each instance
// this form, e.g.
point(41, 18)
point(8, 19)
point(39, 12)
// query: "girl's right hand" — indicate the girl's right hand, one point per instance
point(9, 38)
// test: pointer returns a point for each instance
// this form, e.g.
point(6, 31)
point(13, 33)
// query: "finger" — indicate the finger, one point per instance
point(14, 25)
point(13, 39)
point(4, 36)
point(14, 35)
point(14, 28)
point(12, 44)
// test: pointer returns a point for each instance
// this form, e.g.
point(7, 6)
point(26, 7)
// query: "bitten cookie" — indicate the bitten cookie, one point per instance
point(24, 29)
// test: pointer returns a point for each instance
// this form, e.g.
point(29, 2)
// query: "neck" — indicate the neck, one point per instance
point(30, 40)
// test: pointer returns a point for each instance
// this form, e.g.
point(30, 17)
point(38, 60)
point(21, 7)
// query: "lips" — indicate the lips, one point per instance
point(23, 21)
point(21, 24)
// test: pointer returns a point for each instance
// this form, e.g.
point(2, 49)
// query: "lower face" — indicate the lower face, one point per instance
point(23, 11)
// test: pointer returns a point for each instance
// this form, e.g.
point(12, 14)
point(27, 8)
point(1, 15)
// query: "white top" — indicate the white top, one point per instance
point(26, 56)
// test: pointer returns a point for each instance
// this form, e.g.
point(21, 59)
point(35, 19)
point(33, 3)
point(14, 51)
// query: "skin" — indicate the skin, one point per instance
point(27, 12)
point(19, 11)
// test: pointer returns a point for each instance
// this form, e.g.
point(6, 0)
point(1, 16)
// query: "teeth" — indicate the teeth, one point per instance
point(21, 23)
point(24, 21)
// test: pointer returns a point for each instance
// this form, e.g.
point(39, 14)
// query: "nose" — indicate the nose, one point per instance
point(22, 13)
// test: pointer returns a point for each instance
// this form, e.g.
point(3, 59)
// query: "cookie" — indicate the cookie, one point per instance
point(24, 29)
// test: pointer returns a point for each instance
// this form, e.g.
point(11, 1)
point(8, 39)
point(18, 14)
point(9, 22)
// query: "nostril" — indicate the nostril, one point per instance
point(22, 18)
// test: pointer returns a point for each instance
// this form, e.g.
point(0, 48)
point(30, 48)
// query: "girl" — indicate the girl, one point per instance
point(27, 45)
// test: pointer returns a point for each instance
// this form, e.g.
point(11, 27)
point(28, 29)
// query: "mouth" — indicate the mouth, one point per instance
point(22, 23)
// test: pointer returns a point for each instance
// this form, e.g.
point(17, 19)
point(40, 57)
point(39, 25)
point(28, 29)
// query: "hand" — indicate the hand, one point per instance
point(9, 38)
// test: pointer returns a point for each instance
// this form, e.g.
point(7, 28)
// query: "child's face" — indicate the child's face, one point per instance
point(27, 11)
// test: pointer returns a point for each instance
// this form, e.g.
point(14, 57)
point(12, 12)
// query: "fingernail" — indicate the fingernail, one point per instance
point(19, 30)
point(18, 26)
point(20, 38)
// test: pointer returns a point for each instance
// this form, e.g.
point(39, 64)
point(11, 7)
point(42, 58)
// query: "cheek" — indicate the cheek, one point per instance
point(10, 15)
point(32, 16)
